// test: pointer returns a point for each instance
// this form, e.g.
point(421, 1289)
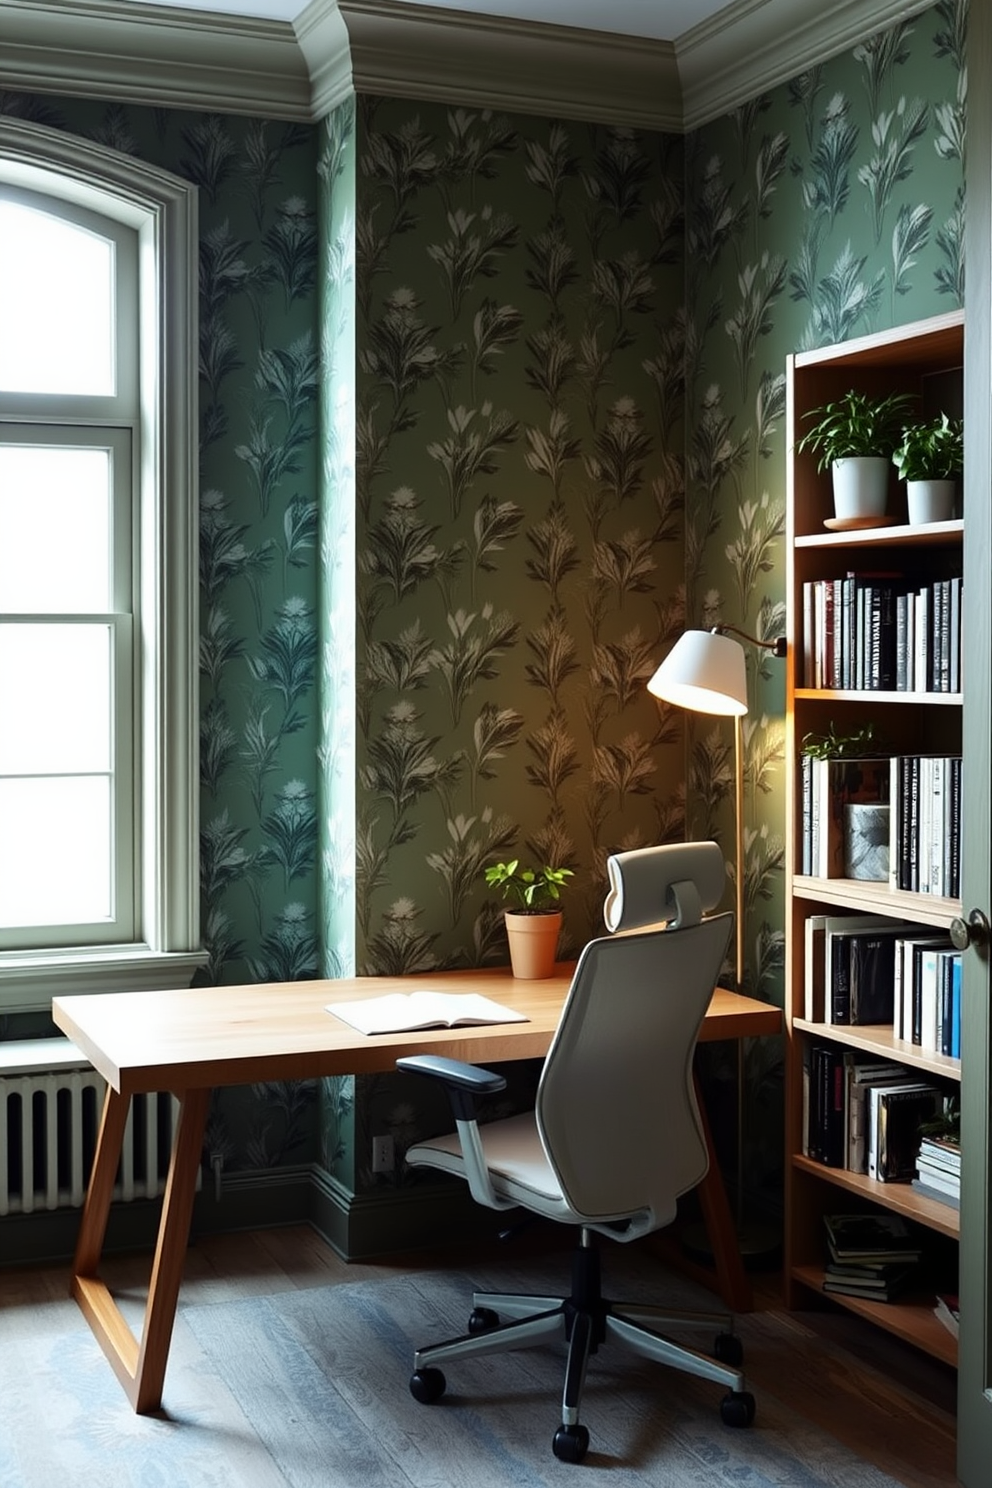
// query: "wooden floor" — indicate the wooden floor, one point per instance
point(891, 1405)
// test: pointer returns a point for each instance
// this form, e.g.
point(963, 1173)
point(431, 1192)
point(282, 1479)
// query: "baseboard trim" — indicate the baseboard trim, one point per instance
point(424, 1216)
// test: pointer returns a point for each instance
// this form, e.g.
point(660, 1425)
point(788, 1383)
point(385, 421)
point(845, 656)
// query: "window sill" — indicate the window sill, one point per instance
point(29, 980)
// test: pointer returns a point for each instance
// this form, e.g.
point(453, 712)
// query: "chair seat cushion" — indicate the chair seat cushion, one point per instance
point(517, 1162)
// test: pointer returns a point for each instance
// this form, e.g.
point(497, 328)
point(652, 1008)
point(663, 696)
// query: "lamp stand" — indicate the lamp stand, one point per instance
point(756, 1243)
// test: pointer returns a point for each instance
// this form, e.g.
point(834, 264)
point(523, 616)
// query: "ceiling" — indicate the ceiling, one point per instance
point(661, 20)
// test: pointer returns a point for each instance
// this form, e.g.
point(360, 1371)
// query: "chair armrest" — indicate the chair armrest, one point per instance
point(461, 1080)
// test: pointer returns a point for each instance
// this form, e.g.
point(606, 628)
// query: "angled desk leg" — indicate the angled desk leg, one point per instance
point(140, 1367)
point(735, 1285)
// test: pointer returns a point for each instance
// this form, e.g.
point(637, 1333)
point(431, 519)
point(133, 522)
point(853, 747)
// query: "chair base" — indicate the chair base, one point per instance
point(585, 1319)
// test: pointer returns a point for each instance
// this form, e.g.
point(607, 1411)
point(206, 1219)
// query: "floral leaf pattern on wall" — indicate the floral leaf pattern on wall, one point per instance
point(520, 491)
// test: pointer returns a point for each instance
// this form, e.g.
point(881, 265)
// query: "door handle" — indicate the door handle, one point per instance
point(973, 931)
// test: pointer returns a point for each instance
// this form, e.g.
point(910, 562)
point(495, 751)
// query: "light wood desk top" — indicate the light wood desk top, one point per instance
point(188, 1042)
point(210, 1036)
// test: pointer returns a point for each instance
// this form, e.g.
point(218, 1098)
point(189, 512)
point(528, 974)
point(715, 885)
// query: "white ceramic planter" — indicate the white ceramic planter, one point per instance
point(861, 486)
point(930, 501)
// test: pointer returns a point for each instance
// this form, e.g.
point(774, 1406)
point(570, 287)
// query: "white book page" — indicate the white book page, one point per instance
point(398, 1012)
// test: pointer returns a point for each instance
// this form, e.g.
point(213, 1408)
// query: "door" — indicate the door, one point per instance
point(974, 1361)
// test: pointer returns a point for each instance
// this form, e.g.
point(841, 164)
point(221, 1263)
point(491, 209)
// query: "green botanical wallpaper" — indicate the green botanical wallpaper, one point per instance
point(829, 208)
point(518, 509)
point(491, 407)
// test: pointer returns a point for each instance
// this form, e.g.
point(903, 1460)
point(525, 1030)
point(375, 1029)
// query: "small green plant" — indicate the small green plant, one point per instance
point(931, 451)
point(856, 424)
point(832, 745)
point(533, 890)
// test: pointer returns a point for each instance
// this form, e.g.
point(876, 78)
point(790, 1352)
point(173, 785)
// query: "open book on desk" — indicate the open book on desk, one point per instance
point(403, 1012)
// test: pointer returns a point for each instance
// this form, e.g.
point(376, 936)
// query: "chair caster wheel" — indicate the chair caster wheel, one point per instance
point(482, 1319)
point(571, 1443)
point(737, 1408)
point(427, 1385)
point(728, 1349)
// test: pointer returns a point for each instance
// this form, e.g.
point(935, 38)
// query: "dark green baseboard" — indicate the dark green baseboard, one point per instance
point(362, 1226)
point(357, 1226)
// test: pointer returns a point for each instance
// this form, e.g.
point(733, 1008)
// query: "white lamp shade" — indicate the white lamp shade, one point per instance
point(704, 672)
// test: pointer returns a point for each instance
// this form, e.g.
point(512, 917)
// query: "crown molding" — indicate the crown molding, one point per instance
point(754, 45)
point(522, 66)
point(154, 54)
point(161, 55)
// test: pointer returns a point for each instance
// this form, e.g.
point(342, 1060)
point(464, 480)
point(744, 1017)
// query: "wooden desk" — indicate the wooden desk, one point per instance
point(188, 1042)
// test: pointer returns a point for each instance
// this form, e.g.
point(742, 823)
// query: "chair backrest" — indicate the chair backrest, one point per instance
point(616, 1107)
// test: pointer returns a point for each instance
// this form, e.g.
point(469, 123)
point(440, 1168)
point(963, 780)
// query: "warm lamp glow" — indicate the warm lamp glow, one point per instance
point(704, 672)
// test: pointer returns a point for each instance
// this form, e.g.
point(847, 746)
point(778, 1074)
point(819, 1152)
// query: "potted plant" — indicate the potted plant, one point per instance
point(930, 459)
point(533, 923)
point(854, 437)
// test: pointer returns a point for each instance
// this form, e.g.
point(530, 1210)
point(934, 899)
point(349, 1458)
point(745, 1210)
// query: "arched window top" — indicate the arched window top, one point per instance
point(60, 286)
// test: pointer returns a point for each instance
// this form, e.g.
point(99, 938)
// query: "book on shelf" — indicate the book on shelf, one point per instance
point(823, 1104)
point(938, 1169)
point(929, 1013)
point(859, 968)
point(948, 1311)
point(880, 632)
point(814, 934)
point(941, 1152)
point(870, 1238)
point(884, 1287)
point(858, 1077)
point(895, 1114)
point(925, 824)
point(403, 1012)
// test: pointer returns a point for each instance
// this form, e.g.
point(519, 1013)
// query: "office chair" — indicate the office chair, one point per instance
point(615, 1136)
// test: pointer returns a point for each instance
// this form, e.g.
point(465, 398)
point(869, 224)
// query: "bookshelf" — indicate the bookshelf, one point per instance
point(926, 359)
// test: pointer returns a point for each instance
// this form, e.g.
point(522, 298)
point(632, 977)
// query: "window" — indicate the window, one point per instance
point(98, 763)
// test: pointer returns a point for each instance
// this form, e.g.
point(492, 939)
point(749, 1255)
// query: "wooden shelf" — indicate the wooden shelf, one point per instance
point(879, 1039)
point(877, 899)
point(898, 535)
point(900, 1198)
point(910, 1318)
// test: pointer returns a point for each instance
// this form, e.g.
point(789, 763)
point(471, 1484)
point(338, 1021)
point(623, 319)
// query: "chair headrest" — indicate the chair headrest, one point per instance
point(677, 882)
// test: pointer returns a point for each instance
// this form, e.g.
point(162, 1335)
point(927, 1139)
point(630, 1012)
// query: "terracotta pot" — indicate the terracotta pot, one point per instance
point(533, 941)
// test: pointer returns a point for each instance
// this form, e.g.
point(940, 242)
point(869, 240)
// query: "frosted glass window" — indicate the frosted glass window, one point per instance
point(56, 305)
point(55, 530)
point(56, 685)
point(56, 864)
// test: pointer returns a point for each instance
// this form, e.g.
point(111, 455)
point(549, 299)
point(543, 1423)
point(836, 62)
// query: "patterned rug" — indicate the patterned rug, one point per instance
point(309, 1389)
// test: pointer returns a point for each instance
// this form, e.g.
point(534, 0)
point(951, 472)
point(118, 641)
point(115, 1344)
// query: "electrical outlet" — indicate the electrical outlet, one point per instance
point(382, 1154)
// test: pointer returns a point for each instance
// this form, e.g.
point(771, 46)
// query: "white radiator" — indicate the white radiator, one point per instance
point(51, 1101)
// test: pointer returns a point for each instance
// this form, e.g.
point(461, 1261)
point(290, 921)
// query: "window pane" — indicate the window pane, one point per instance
point(56, 305)
point(55, 529)
point(55, 682)
point(56, 860)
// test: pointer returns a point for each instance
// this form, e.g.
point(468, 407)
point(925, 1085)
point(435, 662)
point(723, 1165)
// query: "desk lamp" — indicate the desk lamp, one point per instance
point(705, 672)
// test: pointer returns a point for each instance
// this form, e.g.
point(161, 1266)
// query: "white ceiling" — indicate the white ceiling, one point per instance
point(662, 20)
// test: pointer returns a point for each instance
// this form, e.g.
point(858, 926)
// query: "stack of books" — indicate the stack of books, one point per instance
point(938, 1170)
point(870, 1255)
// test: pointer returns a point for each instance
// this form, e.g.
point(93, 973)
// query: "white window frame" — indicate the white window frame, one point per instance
point(162, 208)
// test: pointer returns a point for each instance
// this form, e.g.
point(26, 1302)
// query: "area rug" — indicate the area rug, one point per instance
point(323, 1377)
point(309, 1389)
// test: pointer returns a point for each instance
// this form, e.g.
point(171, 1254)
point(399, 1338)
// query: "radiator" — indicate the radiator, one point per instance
point(51, 1101)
